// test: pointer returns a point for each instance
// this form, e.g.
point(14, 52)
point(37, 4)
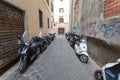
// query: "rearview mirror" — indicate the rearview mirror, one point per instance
point(118, 60)
point(19, 37)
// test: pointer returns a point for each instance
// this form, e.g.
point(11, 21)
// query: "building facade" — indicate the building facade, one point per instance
point(99, 20)
point(61, 16)
point(17, 17)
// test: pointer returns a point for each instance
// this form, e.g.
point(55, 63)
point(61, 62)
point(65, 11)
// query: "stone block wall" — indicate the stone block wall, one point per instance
point(102, 52)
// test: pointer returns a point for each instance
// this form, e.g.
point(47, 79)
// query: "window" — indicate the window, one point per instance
point(47, 2)
point(48, 22)
point(112, 8)
point(40, 19)
point(61, 20)
point(61, 10)
point(51, 6)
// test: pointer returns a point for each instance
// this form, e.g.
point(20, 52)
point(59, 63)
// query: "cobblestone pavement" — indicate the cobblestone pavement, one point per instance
point(57, 62)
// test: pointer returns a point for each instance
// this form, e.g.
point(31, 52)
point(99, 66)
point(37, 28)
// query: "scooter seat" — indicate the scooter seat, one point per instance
point(110, 75)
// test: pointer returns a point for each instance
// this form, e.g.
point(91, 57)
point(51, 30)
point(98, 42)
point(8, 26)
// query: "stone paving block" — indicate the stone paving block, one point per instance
point(13, 76)
point(38, 77)
point(34, 73)
point(24, 78)
point(41, 69)
point(29, 70)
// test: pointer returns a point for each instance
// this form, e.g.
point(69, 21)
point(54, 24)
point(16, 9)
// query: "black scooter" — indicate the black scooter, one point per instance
point(48, 38)
point(28, 51)
point(52, 36)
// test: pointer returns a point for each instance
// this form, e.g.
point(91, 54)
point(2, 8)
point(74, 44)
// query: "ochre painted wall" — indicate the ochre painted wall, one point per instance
point(32, 8)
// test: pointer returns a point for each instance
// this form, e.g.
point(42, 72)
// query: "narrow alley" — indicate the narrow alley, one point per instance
point(71, 39)
point(57, 62)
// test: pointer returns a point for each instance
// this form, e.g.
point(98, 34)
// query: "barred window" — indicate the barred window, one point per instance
point(61, 20)
point(40, 19)
point(61, 10)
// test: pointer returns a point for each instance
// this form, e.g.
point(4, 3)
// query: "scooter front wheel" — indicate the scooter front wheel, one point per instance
point(23, 63)
point(83, 58)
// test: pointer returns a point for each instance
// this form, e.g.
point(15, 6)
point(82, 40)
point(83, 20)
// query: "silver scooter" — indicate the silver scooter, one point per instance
point(81, 48)
point(111, 71)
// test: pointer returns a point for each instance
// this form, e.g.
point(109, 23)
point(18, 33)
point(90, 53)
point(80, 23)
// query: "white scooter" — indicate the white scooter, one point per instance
point(110, 71)
point(81, 49)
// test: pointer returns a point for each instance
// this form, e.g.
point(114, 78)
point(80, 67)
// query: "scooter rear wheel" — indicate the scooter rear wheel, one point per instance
point(98, 75)
point(83, 58)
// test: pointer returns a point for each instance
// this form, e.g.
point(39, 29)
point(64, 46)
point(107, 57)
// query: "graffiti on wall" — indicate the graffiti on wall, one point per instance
point(90, 29)
point(76, 28)
point(111, 32)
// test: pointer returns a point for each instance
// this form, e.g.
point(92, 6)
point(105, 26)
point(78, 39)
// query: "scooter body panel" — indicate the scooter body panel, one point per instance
point(83, 47)
point(107, 72)
point(77, 50)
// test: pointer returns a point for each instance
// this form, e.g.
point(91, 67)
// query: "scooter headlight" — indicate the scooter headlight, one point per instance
point(24, 50)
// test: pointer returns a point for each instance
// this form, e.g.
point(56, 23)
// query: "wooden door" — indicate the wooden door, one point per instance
point(60, 30)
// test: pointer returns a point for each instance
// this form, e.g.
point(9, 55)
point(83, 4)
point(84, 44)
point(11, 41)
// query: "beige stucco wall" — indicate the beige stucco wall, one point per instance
point(32, 8)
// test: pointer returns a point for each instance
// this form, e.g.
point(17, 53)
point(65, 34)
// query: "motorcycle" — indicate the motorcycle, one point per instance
point(111, 71)
point(28, 51)
point(80, 48)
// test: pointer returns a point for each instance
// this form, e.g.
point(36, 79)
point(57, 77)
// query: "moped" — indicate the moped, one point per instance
point(80, 48)
point(110, 71)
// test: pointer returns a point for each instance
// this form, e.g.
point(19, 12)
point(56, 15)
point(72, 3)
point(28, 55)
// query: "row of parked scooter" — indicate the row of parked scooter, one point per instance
point(110, 71)
point(79, 44)
point(29, 50)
